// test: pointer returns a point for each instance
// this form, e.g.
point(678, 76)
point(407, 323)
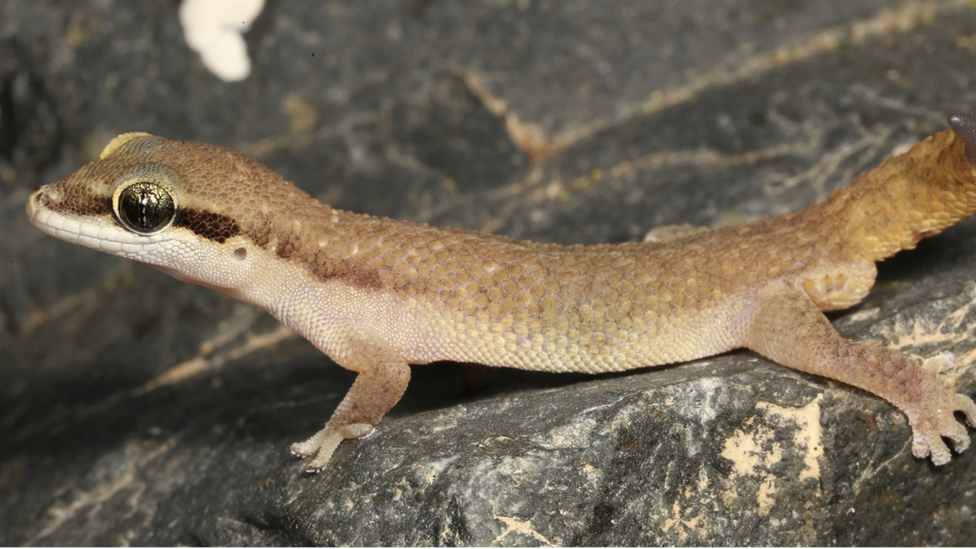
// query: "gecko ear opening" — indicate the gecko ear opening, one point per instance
point(964, 126)
point(129, 143)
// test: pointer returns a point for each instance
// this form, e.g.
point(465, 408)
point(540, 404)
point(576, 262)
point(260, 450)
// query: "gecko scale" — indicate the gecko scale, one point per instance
point(376, 294)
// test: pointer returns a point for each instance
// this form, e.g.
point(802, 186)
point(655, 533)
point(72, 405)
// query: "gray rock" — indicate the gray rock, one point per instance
point(139, 410)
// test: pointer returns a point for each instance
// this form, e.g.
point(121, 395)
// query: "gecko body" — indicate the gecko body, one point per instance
point(377, 295)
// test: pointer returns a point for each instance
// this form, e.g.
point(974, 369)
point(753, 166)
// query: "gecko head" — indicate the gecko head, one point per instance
point(963, 124)
point(137, 193)
point(192, 210)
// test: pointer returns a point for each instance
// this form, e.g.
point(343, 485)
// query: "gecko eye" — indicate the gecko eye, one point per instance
point(145, 208)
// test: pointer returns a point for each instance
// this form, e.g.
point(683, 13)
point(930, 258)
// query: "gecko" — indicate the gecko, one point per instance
point(378, 295)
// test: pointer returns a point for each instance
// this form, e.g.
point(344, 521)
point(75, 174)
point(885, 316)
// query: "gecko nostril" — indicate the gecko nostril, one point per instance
point(33, 200)
point(39, 200)
point(240, 254)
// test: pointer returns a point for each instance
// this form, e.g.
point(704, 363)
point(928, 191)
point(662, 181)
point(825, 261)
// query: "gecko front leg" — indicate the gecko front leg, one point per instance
point(787, 327)
point(383, 375)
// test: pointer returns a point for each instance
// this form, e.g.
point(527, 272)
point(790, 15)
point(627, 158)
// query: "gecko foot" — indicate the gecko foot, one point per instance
point(322, 444)
point(937, 421)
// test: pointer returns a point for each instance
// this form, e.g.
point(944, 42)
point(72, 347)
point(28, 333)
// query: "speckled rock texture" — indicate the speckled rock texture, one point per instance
point(136, 409)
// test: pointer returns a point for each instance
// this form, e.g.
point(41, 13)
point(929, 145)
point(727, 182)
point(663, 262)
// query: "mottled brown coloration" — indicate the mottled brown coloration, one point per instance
point(376, 294)
point(82, 206)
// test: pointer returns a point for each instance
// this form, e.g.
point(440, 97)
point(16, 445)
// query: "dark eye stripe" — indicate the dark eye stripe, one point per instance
point(209, 225)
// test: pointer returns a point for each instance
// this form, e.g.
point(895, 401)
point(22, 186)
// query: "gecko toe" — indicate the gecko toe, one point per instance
point(357, 430)
point(961, 445)
point(931, 432)
point(314, 468)
point(298, 449)
point(925, 446)
point(321, 445)
point(306, 448)
point(957, 435)
point(321, 459)
point(966, 405)
point(952, 429)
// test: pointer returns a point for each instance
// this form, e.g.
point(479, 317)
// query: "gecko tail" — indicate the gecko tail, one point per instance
point(909, 197)
point(964, 126)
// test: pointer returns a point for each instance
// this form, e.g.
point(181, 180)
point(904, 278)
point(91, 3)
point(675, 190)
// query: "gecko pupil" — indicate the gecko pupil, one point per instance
point(146, 208)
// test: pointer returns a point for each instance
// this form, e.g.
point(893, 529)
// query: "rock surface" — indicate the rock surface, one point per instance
point(139, 410)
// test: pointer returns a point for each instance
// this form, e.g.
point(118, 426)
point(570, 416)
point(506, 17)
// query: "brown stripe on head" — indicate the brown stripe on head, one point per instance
point(209, 225)
point(223, 194)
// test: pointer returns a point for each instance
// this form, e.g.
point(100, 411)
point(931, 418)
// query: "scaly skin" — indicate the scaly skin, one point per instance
point(377, 294)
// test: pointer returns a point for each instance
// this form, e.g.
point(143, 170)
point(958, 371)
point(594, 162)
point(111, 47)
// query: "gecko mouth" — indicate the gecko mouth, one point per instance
point(77, 224)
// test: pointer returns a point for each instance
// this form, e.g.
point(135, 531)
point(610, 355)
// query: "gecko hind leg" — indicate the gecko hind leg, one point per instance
point(382, 380)
point(787, 327)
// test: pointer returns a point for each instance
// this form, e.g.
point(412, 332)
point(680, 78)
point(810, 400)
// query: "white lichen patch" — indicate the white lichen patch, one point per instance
point(808, 435)
point(754, 451)
point(524, 527)
point(683, 525)
point(214, 28)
